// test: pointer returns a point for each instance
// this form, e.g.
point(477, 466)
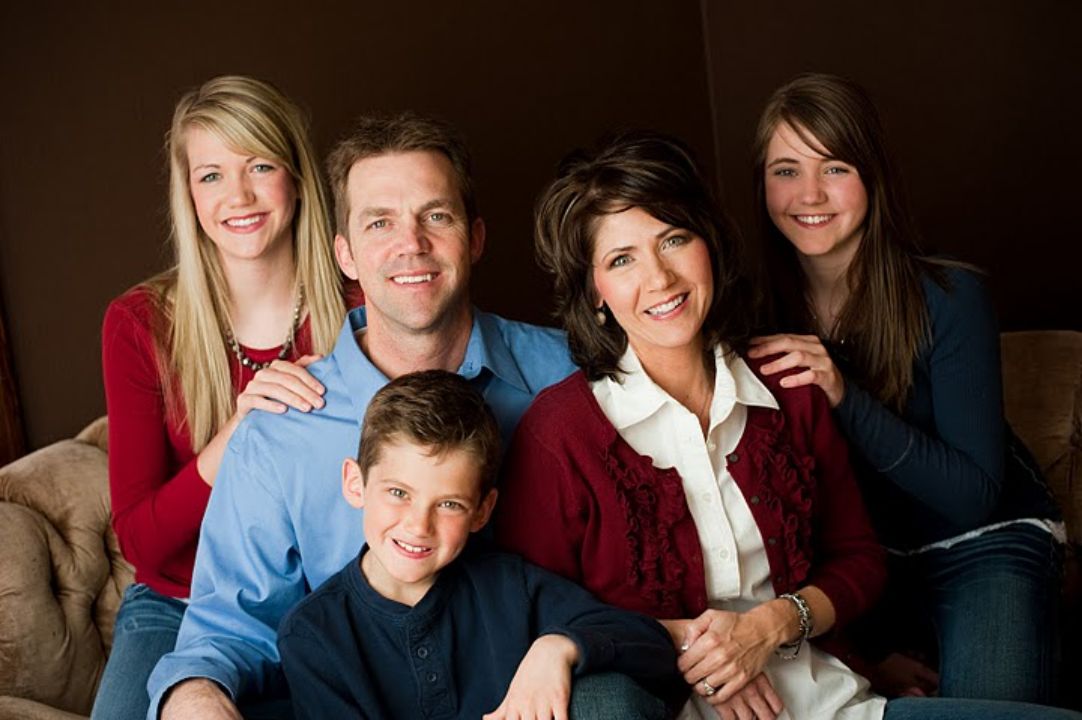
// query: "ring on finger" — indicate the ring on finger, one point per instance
point(708, 689)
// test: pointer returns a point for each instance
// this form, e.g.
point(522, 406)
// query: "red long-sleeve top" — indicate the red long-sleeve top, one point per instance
point(158, 497)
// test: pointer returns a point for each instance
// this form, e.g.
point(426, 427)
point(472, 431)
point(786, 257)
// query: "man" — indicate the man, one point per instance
point(408, 231)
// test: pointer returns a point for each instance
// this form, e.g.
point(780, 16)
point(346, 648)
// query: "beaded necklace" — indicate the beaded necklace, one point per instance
point(287, 346)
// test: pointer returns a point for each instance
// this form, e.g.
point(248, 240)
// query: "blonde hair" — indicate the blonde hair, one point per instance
point(193, 297)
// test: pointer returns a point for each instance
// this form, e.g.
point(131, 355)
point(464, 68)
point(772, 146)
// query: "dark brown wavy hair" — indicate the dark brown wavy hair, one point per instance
point(658, 174)
point(884, 321)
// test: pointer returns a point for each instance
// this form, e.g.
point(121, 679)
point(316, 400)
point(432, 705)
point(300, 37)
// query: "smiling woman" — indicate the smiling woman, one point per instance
point(253, 296)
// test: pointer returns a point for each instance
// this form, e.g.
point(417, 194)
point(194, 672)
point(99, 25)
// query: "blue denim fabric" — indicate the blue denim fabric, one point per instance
point(993, 602)
point(146, 628)
point(958, 709)
point(611, 695)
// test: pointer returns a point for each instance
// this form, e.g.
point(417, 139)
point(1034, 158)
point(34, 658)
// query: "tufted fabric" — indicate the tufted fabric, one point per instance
point(61, 579)
point(1042, 395)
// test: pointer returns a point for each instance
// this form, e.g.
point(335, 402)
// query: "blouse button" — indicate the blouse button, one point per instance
point(754, 499)
point(711, 445)
point(422, 652)
point(732, 457)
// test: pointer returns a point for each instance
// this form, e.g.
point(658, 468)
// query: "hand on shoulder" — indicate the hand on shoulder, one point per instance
point(808, 356)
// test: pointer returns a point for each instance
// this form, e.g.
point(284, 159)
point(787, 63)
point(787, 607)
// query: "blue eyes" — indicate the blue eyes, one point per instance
point(261, 168)
point(672, 241)
point(792, 172)
point(210, 177)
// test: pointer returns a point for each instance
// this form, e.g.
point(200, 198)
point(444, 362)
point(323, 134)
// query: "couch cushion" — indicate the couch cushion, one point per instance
point(1042, 396)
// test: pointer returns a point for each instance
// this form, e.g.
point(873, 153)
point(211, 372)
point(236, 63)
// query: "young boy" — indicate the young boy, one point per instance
point(418, 628)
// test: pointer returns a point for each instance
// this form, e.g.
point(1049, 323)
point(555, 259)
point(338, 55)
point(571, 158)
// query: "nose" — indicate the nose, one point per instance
point(659, 274)
point(240, 190)
point(419, 521)
point(811, 190)
point(414, 239)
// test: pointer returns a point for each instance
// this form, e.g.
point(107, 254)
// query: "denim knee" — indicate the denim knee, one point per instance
point(605, 696)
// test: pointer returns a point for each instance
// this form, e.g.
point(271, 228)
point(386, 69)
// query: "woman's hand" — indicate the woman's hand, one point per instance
point(282, 385)
point(723, 651)
point(755, 701)
point(541, 688)
point(801, 351)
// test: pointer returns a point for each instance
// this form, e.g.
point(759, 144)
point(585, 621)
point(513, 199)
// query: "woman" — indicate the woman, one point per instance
point(907, 352)
point(253, 298)
point(670, 477)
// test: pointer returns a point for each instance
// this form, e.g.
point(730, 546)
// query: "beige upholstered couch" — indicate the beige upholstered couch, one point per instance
point(62, 575)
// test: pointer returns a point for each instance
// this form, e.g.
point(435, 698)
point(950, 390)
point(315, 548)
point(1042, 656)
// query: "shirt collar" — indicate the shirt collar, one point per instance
point(486, 348)
point(635, 397)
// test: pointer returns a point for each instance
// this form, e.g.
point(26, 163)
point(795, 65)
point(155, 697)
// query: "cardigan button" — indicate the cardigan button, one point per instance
point(754, 500)
point(772, 541)
point(732, 457)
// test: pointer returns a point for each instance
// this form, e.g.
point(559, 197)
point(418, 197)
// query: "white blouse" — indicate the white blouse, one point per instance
point(814, 684)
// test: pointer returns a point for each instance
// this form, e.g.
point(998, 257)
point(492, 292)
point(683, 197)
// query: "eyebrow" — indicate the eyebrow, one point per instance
point(436, 203)
point(781, 160)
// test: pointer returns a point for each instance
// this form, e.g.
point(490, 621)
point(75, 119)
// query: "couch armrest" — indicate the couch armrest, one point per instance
point(1042, 397)
point(62, 575)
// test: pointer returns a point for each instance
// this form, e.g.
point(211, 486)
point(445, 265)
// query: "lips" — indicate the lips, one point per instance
point(246, 223)
point(412, 551)
point(669, 306)
point(413, 278)
point(814, 220)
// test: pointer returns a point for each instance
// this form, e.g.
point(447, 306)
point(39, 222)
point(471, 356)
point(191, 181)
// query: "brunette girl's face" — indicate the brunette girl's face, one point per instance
point(245, 203)
point(818, 202)
point(656, 280)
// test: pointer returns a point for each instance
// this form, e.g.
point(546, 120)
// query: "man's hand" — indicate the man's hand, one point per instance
point(200, 699)
point(541, 688)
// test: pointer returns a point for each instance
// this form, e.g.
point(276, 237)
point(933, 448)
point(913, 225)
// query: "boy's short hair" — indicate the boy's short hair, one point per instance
point(436, 409)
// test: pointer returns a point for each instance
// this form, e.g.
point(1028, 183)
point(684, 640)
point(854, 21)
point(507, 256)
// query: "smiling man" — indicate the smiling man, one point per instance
point(409, 232)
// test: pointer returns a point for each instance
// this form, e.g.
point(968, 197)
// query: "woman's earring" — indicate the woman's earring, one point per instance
point(600, 316)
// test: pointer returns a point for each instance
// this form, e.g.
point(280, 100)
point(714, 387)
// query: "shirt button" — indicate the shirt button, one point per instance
point(711, 445)
point(422, 652)
point(433, 677)
point(723, 554)
point(707, 497)
point(732, 457)
point(754, 500)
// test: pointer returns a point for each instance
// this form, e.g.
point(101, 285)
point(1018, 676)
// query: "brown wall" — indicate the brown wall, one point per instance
point(89, 94)
point(980, 99)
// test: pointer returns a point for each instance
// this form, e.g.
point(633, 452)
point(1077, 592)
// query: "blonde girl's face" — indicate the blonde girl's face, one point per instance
point(818, 202)
point(245, 203)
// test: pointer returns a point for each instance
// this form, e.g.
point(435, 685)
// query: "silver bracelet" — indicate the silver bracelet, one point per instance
point(790, 650)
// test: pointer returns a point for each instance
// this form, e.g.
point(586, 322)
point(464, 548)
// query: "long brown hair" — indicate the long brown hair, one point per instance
point(632, 169)
point(883, 321)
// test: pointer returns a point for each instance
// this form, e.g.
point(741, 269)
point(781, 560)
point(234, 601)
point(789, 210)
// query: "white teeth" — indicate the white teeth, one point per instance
point(243, 222)
point(412, 279)
point(813, 219)
point(667, 307)
point(411, 548)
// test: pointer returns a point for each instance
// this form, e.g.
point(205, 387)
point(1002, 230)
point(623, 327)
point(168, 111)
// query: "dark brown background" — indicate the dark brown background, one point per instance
point(977, 97)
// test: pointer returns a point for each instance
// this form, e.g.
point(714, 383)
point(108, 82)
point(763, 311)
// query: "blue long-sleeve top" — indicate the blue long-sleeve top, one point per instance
point(349, 652)
point(949, 464)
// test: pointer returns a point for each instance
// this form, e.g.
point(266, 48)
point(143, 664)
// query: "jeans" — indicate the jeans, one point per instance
point(146, 628)
point(958, 709)
point(994, 605)
point(607, 696)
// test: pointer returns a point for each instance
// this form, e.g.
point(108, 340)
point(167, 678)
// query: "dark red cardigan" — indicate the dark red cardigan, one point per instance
point(578, 500)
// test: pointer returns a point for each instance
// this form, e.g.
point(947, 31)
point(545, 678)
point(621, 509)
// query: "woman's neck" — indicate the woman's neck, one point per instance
point(684, 374)
point(262, 299)
point(828, 290)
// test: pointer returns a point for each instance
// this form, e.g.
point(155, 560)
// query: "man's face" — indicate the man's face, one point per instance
point(410, 245)
point(419, 510)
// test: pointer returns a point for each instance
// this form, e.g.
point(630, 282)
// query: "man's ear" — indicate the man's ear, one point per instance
point(344, 255)
point(477, 239)
point(352, 483)
point(484, 511)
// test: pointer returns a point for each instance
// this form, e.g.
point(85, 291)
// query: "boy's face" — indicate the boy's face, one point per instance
point(419, 511)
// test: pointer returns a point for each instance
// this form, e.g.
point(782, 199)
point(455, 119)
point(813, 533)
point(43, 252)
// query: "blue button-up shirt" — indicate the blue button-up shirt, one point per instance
point(277, 525)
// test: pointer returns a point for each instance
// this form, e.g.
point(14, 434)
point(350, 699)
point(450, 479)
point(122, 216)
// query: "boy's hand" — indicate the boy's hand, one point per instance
point(541, 688)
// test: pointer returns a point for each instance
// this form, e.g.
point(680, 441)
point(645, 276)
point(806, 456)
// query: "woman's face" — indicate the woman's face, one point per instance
point(244, 203)
point(817, 202)
point(656, 280)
